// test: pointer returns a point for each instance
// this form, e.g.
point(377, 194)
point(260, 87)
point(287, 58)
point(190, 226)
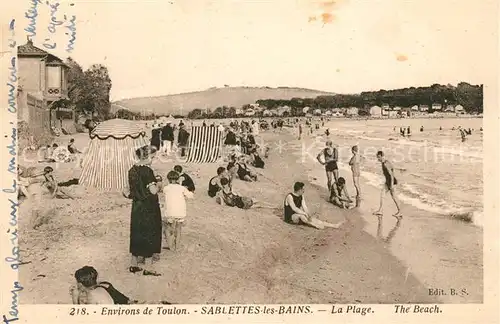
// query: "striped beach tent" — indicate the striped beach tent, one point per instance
point(205, 145)
point(111, 154)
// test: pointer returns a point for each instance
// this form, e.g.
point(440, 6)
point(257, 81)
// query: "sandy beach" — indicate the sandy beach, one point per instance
point(230, 255)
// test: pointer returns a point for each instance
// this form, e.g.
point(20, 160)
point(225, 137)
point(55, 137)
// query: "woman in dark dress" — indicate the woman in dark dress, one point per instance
point(156, 134)
point(145, 223)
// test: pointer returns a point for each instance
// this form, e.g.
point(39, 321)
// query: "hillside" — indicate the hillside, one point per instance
point(211, 98)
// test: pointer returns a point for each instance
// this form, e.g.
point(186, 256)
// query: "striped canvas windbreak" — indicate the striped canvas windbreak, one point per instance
point(205, 145)
point(107, 162)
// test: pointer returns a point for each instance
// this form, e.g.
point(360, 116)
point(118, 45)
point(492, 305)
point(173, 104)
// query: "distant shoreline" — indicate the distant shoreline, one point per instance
point(335, 118)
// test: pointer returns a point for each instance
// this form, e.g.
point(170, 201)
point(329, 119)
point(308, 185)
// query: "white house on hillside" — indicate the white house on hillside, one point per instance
point(450, 108)
point(249, 112)
point(436, 106)
point(393, 114)
point(376, 111)
point(352, 111)
point(459, 109)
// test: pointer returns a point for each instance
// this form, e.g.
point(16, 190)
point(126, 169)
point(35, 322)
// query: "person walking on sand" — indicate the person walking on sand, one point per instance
point(145, 223)
point(356, 172)
point(329, 157)
point(390, 182)
point(296, 211)
point(175, 210)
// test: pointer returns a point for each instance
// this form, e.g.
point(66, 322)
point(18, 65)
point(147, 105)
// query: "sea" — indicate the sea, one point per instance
point(436, 171)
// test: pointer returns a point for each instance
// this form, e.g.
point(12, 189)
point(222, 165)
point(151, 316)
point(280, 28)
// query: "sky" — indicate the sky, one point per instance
point(347, 46)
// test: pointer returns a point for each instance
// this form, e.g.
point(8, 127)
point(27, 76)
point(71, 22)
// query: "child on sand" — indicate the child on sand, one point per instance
point(297, 212)
point(175, 210)
point(339, 196)
point(356, 172)
point(89, 291)
point(184, 179)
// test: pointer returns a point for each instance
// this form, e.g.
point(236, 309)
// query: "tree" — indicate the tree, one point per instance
point(195, 114)
point(89, 91)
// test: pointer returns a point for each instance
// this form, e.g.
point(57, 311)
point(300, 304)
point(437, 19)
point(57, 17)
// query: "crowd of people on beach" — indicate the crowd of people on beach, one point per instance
point(155, 227)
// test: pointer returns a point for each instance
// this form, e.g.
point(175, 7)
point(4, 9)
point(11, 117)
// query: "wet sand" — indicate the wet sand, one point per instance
point(229, 255)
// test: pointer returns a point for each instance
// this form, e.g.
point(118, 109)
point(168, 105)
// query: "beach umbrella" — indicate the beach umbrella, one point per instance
point(111, 154)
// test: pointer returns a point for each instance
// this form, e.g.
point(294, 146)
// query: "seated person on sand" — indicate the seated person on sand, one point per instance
point(243, 171)
point(339, 195)
point(184, 179)
point(72, 148)
point(296, 211)
point(257, 160)
point(227, 197)
point(48, 154)
point(234, 172)
point(52, 186)
point(214, 185)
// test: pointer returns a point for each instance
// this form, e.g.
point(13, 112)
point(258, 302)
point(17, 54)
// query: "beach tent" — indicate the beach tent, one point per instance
point(111, 154)
point(205, 145)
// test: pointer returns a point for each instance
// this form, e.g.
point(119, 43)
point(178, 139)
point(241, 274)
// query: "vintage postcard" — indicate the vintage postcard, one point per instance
point(205, 161)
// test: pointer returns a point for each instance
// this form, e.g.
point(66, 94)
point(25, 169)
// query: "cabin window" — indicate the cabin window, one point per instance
point(54, 77)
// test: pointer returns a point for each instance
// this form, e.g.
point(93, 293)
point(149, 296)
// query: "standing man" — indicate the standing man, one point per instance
point(356, 172)
point(167, 137)
point(182, 139)
point(329, 157)
point(390, 182)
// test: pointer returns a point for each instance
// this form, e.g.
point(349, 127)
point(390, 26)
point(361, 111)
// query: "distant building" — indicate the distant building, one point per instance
point(386, 107)
point(436, 106)
point(423, 108)
point(450, 108)
point(42, 80)
point(249, 112)
point(376, 111)
point(317, 112)
point(414, 108)
point(352, 111)
point(305, 109)
point(459, 109)
point(397, 108)
point(393, 114)
point(267, 113)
